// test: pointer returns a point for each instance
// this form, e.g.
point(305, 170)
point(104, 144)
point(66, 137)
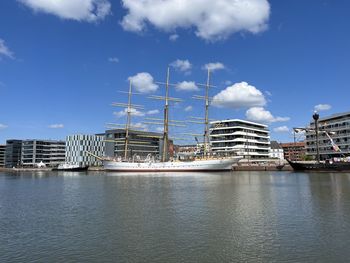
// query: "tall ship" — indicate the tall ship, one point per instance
point(336, 164)
point(205, 161)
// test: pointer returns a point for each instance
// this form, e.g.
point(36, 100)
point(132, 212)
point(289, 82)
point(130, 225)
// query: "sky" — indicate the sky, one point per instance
point(64, 62)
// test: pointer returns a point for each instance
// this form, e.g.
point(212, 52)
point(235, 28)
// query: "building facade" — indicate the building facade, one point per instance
point(79, 146)
point(294, 151)
point(338, 128)
point(141, 143)
point(2, 155)
point(13, 153)
point(276, 151)
point(250, 139)
point(49, 152)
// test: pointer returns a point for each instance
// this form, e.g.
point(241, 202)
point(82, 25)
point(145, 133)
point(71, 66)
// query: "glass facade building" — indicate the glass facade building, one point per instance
point(338, 128)
point(79, 146)
point(49, 152)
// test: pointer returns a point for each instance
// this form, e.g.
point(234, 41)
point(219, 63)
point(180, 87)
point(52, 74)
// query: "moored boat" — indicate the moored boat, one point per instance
point(206, 162)
point(70, 167)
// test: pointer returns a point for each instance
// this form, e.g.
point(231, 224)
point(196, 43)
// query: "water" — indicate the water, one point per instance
point(219, 217)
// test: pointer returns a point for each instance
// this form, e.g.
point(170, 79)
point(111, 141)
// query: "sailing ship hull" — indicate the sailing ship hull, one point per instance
point(198, 165)
point(320, 167)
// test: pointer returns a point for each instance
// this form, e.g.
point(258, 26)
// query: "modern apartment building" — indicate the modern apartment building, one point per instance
point(338, 128)
point(294, 151)
point(2, 155)
point(49, 152)
point(250, 139)
point(79, 146)
point(276, 151)
point(13, 153)
point(141, 143)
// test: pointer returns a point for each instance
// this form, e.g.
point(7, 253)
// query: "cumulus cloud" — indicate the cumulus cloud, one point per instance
point(79, 10)
point(259, 114)
point(3, 126)
point(214, 66)
point(5, 51)
point(189, 108)
point(281, 129)
point(173, 37)
point(212, 20)
point(139, 125)
point(239, 95)
point(113, 60)
point(152, 112)
point(186, 86)
point(56, 126)
point(322, 107)
point(143, 82)
point(134, 112)
point(182, 65)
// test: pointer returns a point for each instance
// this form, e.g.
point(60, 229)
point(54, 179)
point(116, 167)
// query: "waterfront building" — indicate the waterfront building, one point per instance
point(79, 146)
point(48, 152)
point(141, 143)
point(276, 151)
point(294, 151)
point(2, 155)
point(338, 128)
point(13, 153)
point(250, 139)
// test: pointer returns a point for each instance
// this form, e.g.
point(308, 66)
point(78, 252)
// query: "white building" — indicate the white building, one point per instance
point(78, 146)
point(250, 139)
point(276, 151)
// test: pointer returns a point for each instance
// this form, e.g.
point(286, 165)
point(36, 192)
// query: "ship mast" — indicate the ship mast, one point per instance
point(128, 120)
point(166, 119)
point(206, 121)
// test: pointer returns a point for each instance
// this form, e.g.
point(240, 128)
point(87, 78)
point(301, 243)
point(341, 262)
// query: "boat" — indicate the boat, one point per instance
point(206, 162)
point(70, 167)
point(330, 165)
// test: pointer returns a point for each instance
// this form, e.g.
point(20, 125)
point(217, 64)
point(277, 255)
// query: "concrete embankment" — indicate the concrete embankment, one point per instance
point(261, 168)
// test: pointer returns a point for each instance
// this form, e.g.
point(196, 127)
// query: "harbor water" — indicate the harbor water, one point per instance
point(174, 217)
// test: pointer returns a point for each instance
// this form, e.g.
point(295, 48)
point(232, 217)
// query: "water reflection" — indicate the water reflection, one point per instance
point(175, 217)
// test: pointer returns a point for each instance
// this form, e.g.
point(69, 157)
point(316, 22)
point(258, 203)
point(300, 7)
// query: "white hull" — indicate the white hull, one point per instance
point(198, 165)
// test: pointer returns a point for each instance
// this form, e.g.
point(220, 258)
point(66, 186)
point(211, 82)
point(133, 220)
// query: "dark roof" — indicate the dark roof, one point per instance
point(275, 145)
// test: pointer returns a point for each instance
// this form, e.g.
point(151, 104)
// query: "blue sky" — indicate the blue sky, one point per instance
point(273, 62)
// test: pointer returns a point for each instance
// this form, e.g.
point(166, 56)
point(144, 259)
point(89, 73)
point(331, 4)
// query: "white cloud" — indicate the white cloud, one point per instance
point(189, 108)
point(139, 125)
point(281, 129)
point(5, 51)
point(259, 114)
point(56, 126)
point(212, 20)
point(160, 129)
point(152, 112)
point(182, 65)
point(134, 112)
point(143, 82)
point(113, 60)
point(173, 37)
point(322, 107)
point(3, 126)
point(186, 86)
point(214, 66)
point(228, 82)
point(239, 95)
point(80, 10)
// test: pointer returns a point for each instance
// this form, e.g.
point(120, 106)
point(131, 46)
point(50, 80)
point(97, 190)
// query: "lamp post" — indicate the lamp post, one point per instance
point(316, 116)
